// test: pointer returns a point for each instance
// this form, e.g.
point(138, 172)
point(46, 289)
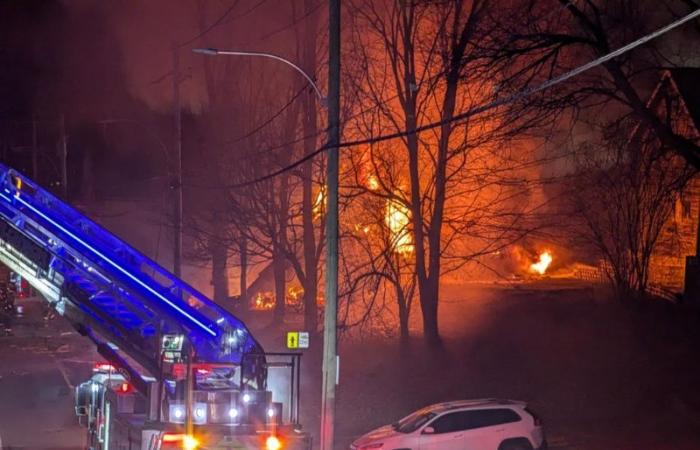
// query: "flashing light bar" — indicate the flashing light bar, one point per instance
point(104, 367)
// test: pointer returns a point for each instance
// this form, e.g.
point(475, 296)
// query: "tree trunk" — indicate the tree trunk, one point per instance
point(88, 180)
point(429, 307)
point(403, 315)
point(310, 262)
point(310, 129)
point(278, 268)
point(243, 259)
point(219, 277)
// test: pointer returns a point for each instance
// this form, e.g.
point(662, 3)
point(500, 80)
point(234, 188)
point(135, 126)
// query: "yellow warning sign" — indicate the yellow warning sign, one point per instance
point(293, 339)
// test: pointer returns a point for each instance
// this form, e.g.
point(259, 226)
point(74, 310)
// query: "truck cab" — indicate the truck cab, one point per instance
point(196, 405)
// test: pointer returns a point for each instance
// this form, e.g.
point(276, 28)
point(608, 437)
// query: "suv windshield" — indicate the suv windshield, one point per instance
point(411, 423)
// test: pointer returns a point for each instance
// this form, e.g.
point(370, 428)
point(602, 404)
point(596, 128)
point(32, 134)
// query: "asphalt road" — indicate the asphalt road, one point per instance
point(40, 363)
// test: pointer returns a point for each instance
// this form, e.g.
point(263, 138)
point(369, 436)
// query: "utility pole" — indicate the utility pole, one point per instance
point(177, 182)
point(330, 357)
point(63, 157)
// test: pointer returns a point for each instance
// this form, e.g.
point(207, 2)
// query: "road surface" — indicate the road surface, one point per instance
point(41, 362)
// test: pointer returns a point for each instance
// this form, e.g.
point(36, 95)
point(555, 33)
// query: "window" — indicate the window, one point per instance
point(685, 202)
point(449, 423)
point(490, 417)
point(469, 420)
point(411, 423)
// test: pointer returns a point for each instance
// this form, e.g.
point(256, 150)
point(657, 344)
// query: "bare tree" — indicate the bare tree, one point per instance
point(378, 266)
point(312, 235)
point(579, 31)
point(625, 193)
point(458, 184)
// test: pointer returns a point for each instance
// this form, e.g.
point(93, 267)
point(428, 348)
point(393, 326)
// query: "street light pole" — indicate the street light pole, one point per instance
point(330, 358)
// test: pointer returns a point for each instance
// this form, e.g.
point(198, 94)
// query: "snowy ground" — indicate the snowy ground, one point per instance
point(603, 375)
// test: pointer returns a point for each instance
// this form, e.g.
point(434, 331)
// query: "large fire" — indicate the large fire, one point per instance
point(540, 267)
point(397, 219)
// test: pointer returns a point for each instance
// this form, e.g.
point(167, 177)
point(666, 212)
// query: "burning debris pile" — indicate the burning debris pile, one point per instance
point(531, 261)
point(542, 264)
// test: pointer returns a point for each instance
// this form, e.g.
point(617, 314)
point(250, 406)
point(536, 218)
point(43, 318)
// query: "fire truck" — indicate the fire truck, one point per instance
point(180, 371)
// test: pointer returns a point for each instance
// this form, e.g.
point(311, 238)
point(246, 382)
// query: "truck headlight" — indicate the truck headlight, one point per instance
point(273, 443)
point(189, 443)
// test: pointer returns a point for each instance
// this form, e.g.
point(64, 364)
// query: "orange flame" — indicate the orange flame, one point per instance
point(372, 183)
point(540, 267)
point(319, 205)
point(263, 301)
point(397, 219)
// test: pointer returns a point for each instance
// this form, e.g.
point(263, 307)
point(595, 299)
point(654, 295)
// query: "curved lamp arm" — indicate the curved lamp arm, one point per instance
point(214, 52)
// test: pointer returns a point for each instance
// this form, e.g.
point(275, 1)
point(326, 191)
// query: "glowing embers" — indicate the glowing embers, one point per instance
point(542, 264)
point(266, 300)
point(397, 218)
point(294, 295)
point(263, 301)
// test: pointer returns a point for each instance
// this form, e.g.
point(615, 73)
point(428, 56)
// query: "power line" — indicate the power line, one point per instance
point(429, 81)
point(268, 121)
point(213, 25)
point(478, 109)
point(292, 23)
point(216, 23)
point(245, 13)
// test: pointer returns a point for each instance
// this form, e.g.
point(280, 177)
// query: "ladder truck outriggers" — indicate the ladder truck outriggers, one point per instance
point(181, 372)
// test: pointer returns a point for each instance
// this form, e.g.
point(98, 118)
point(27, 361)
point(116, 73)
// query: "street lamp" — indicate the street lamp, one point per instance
point(332, 104)
point(216, 51)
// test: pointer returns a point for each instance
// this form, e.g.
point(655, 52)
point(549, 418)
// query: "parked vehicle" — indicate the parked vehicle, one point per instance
point(485, 424)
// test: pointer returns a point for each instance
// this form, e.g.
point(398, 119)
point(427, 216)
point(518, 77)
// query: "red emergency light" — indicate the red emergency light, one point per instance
point(104, 367)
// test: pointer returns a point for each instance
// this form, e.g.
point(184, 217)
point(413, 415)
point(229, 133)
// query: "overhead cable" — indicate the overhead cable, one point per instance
point(477, 109)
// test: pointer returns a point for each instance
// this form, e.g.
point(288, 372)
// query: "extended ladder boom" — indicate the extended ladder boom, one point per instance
point(102, 285)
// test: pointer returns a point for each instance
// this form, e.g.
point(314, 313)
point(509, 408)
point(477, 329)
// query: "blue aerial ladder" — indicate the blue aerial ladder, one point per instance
point(133, 309)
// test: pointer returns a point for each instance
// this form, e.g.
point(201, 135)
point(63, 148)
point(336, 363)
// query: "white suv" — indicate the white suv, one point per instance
point(461, 425)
